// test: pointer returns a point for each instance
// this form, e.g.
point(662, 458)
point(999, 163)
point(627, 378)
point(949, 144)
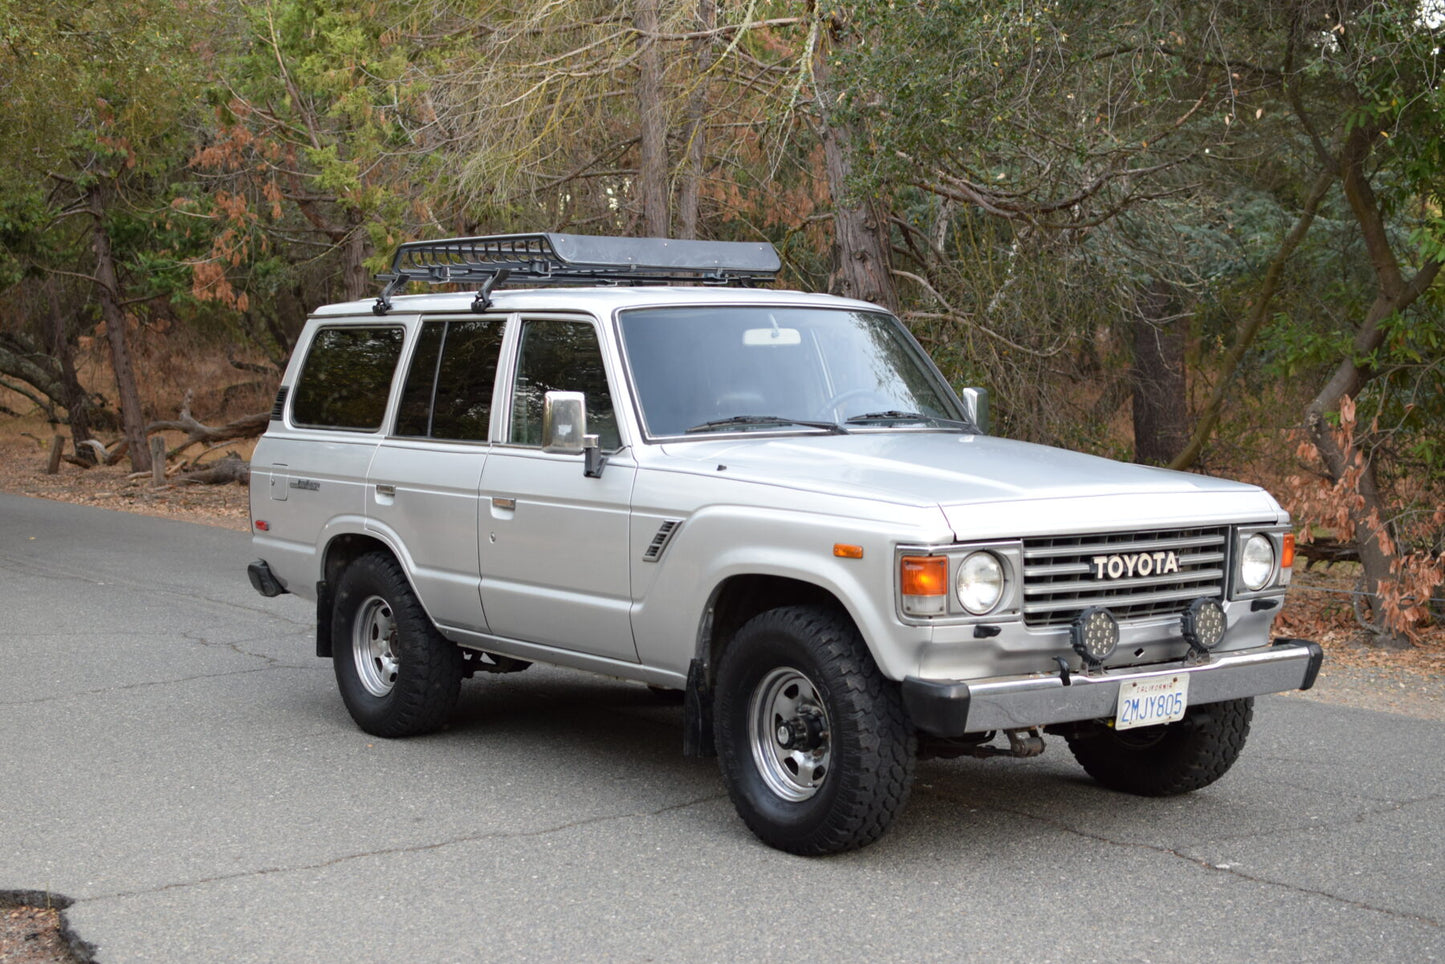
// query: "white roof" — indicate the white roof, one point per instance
point(601, 300)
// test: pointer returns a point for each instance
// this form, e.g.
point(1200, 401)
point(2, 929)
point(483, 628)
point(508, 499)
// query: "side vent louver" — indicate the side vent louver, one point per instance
point(659, 542)
point(278, 410)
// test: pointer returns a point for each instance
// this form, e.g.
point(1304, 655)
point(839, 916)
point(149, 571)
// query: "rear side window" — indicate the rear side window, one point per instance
point(448, 391)
point(347, 377)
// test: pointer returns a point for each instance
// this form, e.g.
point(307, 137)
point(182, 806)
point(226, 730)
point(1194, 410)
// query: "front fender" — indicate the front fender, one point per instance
point(721, 543)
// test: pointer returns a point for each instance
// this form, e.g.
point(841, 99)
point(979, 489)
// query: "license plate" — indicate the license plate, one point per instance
point(1151, 702)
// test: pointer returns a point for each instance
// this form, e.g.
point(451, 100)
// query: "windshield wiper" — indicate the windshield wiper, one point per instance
point(894, 415)
point(832, 427)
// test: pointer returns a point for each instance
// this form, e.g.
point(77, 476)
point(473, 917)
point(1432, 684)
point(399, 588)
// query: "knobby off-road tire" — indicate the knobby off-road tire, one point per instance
point(398, 676)
point(850, 770)
point(1161, 761)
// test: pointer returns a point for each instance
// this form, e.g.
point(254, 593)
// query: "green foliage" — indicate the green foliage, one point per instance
point(97, 94)
point(1041, 164)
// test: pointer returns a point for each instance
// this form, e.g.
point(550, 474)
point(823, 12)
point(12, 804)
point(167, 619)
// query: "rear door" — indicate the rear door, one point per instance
point(422, 488)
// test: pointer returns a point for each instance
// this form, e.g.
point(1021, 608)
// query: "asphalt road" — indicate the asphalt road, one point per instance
point(176, 761)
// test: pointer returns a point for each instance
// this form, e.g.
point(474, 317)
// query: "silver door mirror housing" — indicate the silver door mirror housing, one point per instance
point(975, 406)
point(564, 430)
point(564, 423)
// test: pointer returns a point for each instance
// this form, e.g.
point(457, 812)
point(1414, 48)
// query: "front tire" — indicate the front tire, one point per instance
point(812, 740)
point(397, 675)
point(1162, 761)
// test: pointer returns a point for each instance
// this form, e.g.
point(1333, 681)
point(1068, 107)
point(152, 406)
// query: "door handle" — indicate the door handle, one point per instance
point(384, 489)
point(501, 503)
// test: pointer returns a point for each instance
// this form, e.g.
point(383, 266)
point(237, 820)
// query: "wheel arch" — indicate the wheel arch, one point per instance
point(733, 602)
point(340, 552)
point(739, 598)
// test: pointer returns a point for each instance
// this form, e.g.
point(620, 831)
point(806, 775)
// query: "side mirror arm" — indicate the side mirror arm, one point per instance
point(593, 458)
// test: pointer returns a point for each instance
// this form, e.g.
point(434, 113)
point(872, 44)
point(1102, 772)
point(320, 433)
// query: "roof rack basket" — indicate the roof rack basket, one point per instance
point(574, 259)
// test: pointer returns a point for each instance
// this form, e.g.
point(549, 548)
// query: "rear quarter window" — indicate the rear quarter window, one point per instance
point(346, 378)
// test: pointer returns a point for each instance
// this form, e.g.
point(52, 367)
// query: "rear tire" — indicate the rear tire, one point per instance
point(397, 675)
point(812, 740)
point(1162, 761)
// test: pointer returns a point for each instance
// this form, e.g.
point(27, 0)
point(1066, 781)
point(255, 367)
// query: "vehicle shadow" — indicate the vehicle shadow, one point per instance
point(602, 730)
point(575, 714)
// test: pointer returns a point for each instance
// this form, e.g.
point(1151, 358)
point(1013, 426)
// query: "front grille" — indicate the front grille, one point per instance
point(1062, 574)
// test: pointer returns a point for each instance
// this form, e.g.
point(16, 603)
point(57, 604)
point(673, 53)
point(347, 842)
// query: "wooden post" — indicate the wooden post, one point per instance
point(158, 460)
point(57, 449)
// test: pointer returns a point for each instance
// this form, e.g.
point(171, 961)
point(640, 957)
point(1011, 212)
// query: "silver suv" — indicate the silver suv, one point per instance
point(618, 455)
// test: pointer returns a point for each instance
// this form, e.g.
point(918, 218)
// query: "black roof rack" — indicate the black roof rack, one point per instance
point(574, 259)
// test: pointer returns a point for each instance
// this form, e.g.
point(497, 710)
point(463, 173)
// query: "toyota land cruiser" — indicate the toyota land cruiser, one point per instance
point(622, 456)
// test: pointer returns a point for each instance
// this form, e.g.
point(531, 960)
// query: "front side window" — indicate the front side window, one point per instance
point(696, 368)
point(346, 378)
point(560, 356)
point(448, 391)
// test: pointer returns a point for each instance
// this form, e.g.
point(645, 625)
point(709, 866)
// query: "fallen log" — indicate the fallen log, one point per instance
point(104, 454)
point(197, 433)
point(229, 469)
point(1326, 551)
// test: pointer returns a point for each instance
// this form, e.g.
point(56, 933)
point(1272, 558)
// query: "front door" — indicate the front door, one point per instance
point(554, 543)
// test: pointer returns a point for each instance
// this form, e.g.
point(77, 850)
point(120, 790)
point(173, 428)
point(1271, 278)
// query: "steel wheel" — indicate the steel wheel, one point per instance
point(397, 674)
point(374, 646)
point(811, 738)
point(790, 734)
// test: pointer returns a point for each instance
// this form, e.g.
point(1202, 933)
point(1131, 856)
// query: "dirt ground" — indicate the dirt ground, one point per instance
point(1410, 682)
point(32, 935)
point(24, 452)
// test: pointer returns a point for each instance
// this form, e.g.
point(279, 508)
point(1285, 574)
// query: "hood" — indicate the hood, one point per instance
point(982, 483)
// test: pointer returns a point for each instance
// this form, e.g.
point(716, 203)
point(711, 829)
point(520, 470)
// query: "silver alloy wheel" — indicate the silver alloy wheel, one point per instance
point(785, 703)
point(373, 645)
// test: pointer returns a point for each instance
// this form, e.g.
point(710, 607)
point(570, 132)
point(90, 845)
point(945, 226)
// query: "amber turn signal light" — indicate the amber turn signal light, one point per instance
point(925, 576)
point(923, 581)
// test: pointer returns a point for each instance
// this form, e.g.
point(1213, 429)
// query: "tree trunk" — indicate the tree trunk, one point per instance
point(1393, 293)
point(652, 163)
point(76, 399)
point(357, 278)
point(108, 283)
point(690, 190)
point(1161, 417)
point(1258, 312)
point(26, 362)
point(860, 234)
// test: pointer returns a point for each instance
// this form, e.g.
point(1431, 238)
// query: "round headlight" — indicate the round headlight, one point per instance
point(980, 582)
point(1256, 563)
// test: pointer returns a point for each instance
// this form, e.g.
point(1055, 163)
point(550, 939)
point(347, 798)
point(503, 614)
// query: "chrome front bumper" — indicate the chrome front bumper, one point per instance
point(954, 707)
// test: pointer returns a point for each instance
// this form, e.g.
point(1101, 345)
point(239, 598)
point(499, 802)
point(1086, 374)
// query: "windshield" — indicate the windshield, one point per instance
point(724, 368)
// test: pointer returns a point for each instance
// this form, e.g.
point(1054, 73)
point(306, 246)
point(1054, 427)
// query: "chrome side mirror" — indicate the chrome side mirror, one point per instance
point(975, 406)
point(564, 423)
point(564, 431)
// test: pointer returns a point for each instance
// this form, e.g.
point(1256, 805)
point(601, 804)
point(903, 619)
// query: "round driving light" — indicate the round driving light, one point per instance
point(1095, 634)
point(1204, 624)
point(980, 583)
point(1256, 562)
